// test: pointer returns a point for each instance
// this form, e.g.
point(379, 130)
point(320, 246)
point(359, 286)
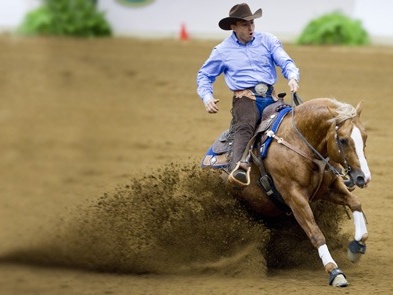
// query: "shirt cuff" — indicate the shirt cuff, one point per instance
point(207, 97)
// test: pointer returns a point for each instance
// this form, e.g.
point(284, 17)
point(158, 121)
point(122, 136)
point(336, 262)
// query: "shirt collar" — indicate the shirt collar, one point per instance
point(235, 39)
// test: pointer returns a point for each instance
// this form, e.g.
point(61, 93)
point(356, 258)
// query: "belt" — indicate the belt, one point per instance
point(261, 89)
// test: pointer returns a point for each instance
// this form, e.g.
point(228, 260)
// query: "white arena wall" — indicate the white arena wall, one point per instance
point(163, 18)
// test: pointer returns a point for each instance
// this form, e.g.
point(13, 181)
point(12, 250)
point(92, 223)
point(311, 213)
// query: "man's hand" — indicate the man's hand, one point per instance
point(211, 106)
point(293, 85)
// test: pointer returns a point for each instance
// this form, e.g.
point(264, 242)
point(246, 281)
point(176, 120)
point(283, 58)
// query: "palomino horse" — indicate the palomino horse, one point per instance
point(317, 144)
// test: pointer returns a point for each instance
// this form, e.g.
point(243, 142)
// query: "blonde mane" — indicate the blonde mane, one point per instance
point(344, 111)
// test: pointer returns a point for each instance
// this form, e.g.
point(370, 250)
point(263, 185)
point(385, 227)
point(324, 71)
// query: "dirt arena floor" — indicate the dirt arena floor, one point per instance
point(100, 186)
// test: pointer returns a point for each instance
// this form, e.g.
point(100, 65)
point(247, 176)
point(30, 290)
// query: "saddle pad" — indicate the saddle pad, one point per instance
point(214, 160)
point(265, 145)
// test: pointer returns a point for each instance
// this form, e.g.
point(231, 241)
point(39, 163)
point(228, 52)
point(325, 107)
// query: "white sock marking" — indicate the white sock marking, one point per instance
point(360, 225)
point(324, 254)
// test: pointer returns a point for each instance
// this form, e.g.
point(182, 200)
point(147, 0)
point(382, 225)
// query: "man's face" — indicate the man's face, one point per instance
point(244, 30)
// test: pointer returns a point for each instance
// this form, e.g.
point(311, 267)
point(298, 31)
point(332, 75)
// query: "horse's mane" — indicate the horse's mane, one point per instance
point(344, 111)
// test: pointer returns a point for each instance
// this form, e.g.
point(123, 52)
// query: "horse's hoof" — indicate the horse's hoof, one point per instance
point(337, 278)
point(353, 257)
point(340, 281)
point(355, 251)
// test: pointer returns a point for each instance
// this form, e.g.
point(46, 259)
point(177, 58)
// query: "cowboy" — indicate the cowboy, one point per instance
point(248, 60)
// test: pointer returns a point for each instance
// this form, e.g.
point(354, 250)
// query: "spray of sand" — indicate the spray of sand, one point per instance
point(179, 219)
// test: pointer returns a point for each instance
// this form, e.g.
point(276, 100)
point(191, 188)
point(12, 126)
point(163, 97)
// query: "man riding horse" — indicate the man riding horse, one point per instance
point(317, 149)
point(248, 60)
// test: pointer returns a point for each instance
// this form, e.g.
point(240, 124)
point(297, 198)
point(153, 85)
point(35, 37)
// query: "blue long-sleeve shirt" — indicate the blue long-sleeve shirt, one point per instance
point(245, 65)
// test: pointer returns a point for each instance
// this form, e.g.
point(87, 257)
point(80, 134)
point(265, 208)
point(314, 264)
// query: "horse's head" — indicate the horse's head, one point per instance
point(347, 142)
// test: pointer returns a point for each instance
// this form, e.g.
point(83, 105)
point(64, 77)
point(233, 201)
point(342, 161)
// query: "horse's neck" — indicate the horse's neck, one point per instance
point(314, 127)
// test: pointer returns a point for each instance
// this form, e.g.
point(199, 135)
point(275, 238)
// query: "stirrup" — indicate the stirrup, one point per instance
point(239, 176)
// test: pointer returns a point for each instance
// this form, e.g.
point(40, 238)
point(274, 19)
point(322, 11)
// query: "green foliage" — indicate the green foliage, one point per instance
point(66, 18)
point(334, 29)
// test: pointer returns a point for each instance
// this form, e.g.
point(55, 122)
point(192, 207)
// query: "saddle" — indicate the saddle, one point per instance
point(218, 155)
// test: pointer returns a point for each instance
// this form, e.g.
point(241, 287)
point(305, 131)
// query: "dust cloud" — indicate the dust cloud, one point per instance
point(178, 219)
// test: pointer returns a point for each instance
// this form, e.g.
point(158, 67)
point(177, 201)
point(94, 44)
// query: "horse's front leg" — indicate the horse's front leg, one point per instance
point(357, 246)
point(305, 217)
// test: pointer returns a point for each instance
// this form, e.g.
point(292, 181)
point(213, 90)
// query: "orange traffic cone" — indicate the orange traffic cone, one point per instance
point(183, 33)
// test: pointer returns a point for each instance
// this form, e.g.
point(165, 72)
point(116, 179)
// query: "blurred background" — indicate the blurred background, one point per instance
point(101, 140)
point(165, 18)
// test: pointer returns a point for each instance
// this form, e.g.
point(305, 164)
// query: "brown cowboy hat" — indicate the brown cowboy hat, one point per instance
point(239, 12)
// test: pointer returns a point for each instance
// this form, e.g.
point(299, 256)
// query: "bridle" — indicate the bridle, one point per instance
point(347, 167)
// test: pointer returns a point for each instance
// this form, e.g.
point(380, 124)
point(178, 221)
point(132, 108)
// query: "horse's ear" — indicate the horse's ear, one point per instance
point(359, 108)
point(332, 112)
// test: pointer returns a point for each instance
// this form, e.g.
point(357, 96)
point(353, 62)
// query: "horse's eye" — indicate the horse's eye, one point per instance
point(343, 141)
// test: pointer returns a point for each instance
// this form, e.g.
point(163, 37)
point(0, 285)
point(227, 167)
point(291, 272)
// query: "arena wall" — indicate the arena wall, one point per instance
point(164, 18)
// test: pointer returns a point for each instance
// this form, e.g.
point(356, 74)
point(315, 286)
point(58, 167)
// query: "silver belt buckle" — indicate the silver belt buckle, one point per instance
point(261, 89)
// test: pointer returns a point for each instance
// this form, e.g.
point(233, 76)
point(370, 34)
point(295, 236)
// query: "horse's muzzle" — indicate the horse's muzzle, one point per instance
point(358, 178)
